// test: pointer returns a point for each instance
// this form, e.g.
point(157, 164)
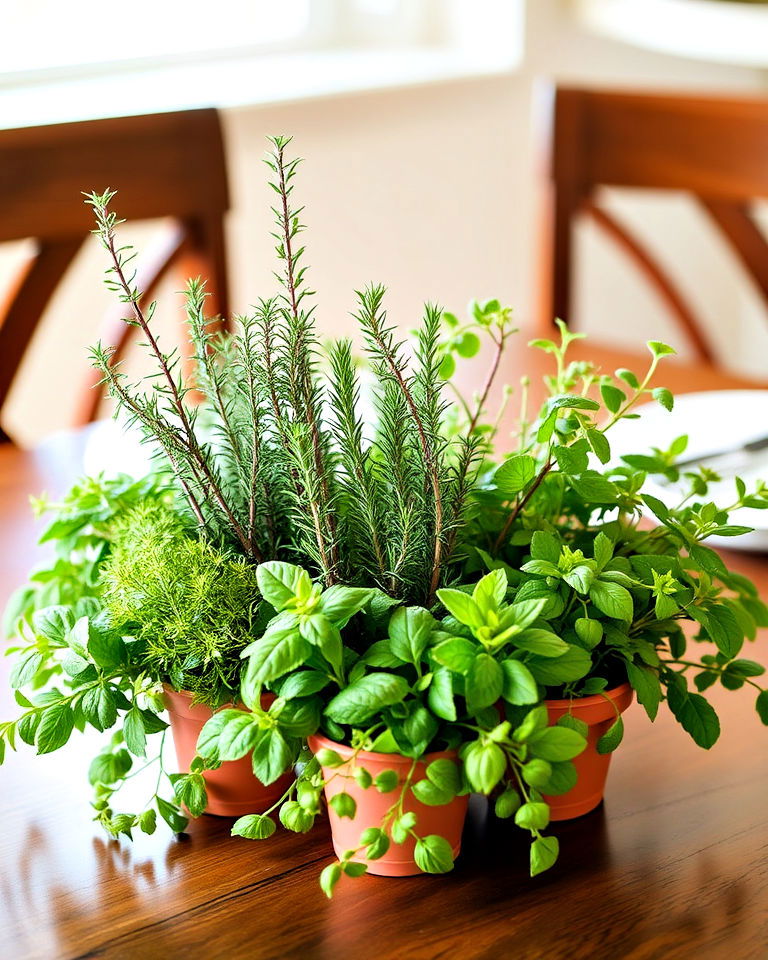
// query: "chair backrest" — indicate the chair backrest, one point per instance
point(714, 148)
point(168, 165)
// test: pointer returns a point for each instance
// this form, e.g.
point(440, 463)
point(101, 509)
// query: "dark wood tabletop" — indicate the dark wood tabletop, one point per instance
point(674, 865)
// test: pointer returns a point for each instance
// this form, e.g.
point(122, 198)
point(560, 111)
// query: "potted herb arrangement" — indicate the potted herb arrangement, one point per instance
point(382, 603)
point(570, 527)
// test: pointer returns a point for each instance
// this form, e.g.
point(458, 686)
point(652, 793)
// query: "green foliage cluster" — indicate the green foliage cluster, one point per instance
point(567, 527)
point(190, 605)
point(276, 461)
point(395, 585)
point(417, 685)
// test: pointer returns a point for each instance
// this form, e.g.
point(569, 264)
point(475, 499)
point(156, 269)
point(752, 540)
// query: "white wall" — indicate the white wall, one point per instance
point(432, 191)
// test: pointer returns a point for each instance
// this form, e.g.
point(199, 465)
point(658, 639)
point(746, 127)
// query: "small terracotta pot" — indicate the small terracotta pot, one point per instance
point(591, 766)
point(447, 820)
point(232, 789)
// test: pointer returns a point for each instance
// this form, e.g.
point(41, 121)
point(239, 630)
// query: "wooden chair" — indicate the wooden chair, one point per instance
point(168, 165)
point(713, 148)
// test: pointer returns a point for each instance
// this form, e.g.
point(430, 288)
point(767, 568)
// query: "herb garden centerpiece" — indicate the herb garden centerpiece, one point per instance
point(373, 614)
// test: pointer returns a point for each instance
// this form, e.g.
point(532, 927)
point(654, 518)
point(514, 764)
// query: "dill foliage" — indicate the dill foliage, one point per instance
point(276, 461)
point(190, 606)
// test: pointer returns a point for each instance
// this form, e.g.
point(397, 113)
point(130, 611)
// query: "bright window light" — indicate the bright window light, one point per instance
point(83, 32)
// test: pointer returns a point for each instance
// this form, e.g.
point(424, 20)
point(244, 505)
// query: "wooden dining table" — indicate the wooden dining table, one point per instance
point(674, 864)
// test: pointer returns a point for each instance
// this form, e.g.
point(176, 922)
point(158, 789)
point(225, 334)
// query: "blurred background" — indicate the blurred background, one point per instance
point(424, 128)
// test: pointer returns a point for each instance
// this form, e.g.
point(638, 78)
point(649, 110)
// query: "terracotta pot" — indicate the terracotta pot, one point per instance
point(232, 789)
point(447, 820)
point(591, 766)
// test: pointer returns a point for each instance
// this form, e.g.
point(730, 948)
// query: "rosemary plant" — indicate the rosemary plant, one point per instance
point(275, 461)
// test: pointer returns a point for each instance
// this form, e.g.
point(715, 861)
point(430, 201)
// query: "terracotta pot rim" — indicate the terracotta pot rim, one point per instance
point(613, 694)
point(317, 741)
point(266, 696)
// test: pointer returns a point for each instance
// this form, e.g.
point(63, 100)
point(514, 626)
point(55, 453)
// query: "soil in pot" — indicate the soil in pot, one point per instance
point(598, 712)
point(447, 820)
point(232, 789)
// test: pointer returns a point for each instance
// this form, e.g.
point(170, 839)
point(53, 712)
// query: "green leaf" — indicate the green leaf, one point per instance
point(544, 643)
point(375, 841)
point(105, 648)
point(148, 821)
point(296, 818)
point(721, 625)
point(430, 794)
point(484, 765)
point(440, 694)
point(590, 632)
point(25, 669)
point(433, 854)
point(695, 714)
point(545, 546)
point(514, 475)
point(238, 735)
point(53, 623)
point(133, 731)
point(570, 401)
point(467, 345)
point(556, 743)
point(659, 349)
point(664, 397)
point(189, 789)
point(109, 767)
point(457, 654)
point(544, 852)
point(275, 654)
point(707, 559)
point(343, 805)
point(484, 682)
point(490, 591)
point(362, 699)
point(387, 781)
point(271, 756)
point(572, 459)
point(461, 606)
point(628, 377)
point(303, 684)
point(574, 664)
point(537, 773)
point(329, 878)
point(340, 603)
point(532, 816)
point(280, 582)
point(563, 779)
point(612, 599)
point(447, 366)
point(761, 705)
point(54, 728)
point(409, 631)
point(519, 686)
point(444, 774)
point(507, 803)
point(612, 737)
point(599, 444)
point(99, 707)
point(594, 488)
point(328, 758)
point(171, 814)
point(646, 684)
point(254, 826)
point(612, 397)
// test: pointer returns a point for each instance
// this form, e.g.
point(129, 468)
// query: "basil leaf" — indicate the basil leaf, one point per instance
point(363, 698)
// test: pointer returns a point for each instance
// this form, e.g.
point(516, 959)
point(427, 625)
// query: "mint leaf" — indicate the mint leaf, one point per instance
point(433, 854)
point(612, 599)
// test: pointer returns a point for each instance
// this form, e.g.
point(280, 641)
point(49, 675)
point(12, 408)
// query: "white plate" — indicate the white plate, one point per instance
point(716, 420)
